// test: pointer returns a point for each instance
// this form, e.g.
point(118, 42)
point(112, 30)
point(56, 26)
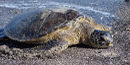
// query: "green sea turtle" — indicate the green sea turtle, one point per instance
point(59, 28)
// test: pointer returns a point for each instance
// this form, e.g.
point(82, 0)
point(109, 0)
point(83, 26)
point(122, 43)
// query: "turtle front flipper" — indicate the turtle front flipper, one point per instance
point(2, 33)
point(57, 46)
point(59, 41)
point(49, 49)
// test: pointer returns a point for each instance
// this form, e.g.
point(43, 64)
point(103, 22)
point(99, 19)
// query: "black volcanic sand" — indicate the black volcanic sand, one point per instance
point(16, 53)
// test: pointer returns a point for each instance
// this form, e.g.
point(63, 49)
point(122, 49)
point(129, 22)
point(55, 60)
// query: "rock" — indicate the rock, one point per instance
point(4, 48)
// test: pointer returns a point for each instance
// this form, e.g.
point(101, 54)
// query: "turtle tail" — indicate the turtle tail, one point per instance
point(2, 33)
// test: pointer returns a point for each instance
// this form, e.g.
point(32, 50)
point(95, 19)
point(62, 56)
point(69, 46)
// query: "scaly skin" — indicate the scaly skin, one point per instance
point(75, 32)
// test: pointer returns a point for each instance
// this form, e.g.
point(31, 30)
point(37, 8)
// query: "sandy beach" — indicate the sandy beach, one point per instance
point(119, 54)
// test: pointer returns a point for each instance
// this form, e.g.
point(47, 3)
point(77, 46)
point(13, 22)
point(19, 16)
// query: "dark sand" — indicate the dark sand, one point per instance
point(119, 54)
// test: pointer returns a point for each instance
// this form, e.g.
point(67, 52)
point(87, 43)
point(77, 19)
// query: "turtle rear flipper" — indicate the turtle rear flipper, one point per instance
point(2, 33)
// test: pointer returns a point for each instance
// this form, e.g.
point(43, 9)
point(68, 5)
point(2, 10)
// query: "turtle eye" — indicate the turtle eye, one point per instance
point(102, 39)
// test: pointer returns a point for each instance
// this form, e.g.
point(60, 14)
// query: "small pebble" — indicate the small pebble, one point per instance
point(128, 29)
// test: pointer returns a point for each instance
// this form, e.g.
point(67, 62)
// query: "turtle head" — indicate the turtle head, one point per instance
point(100, 39)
